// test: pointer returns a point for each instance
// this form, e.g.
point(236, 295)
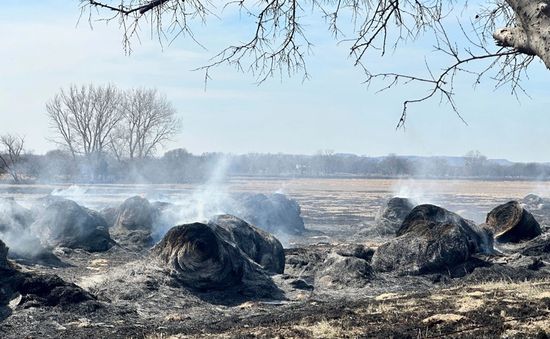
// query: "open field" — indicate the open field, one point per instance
point(136, 299)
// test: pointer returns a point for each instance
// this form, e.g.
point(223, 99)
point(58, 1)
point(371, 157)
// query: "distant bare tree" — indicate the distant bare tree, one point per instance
point(474, 162)
point(149, 120)
point(84, 117)
point(11, 155)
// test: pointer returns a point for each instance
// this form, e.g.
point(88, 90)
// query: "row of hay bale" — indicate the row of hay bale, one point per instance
point(58, 222)
point(429, 238)
point(225, 251)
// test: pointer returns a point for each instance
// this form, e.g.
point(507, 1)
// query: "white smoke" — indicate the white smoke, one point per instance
point(72, 192)
point(204, 202)
point(15, 230)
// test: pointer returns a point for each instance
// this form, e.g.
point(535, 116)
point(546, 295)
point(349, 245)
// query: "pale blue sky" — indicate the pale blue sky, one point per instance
point(42, 50)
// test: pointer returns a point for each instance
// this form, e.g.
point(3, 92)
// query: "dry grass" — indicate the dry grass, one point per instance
point(443, 318)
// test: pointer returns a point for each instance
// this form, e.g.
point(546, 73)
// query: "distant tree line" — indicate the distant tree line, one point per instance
point(180, 166)
point(105, 134)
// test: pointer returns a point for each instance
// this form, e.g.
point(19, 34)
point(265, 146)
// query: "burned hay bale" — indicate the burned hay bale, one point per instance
point(533, 201)
point(67, 224)
point(36, 289)
point(391, 215)
point(512, 223)
point(273, 213)
point(200, 256)
point(305, 261)
point(539, 207)
point(135, 213)
point(259, 245)
point(48, 290)
point(338, 271)
point(15, 221)
point(431, 239)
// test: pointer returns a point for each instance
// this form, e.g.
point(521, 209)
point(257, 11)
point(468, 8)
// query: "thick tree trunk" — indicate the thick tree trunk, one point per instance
point(532, 33)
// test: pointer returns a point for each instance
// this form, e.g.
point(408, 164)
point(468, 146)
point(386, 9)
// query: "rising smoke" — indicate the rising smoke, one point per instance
point(174, 205)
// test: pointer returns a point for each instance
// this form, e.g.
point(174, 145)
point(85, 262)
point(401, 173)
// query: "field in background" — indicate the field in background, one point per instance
point(331, 205)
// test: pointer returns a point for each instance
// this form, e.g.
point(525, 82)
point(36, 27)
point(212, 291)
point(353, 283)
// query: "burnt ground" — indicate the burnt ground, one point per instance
point(503, 296)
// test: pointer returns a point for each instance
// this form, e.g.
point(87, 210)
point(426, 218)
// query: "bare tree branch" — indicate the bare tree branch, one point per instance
point(279, 44)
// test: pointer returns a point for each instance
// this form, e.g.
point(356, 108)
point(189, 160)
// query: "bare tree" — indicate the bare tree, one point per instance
point(84, 117)
point(474, 162)
point(149, 120)
point(11, 155)
point(278, 42)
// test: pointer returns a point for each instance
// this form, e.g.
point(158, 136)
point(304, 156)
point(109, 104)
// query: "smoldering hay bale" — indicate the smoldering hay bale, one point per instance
point(258, 244)
point(512, 223)
point(15, 221)
point(533, 201)
point(339, 271)
point(273, 212)
point(539, 207)
point(13, 217)
point(135, 213)
point(391, 215)
point(67, 224)
point(431, 239)
point(199, 256)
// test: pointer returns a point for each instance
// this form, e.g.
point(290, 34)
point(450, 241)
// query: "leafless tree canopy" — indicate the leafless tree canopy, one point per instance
point(94, 120)
point(11, 154)
point(84, 117)
point(279, 44)
point(149, 120)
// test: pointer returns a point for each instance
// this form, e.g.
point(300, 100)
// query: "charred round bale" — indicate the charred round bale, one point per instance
point(36, 289)
point(135, 213)
point(15, 221)
point(431, 239)
point(539, 207)
point(200, 256)
point(273, 213)
point(533, 201)
point(339, 271)
point(512, 223)
point(391, 215)
point(258, 244)
point(65, 223)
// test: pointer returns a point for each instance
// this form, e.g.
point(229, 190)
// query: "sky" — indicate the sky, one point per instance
point(45, 48)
